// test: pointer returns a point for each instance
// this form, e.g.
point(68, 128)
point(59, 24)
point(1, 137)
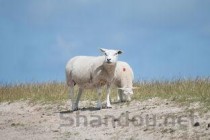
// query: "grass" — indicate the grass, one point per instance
point(34, 92)
point(184, 91)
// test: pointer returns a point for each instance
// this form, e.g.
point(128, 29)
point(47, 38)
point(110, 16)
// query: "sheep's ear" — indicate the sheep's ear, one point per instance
point(135, 87)
point(123, 88)
point(119, 52)
point(102, 49)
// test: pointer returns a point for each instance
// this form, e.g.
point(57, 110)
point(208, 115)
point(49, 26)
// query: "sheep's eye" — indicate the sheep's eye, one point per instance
point(106, 54)
point(116, 54)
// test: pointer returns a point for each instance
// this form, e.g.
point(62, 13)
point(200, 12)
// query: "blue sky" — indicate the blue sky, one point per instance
point(161, 39)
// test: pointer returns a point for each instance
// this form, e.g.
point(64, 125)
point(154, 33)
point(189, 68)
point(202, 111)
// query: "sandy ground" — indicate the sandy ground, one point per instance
point(152, 119)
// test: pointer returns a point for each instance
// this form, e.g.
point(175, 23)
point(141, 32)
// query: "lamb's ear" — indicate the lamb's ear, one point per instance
point(123, 88)
point(131, 92)
point(119, 52)
point(135, 87)
point(102, 50)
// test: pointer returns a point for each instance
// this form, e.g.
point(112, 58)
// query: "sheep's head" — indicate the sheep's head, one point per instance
point(111, 56)
point(127, 91)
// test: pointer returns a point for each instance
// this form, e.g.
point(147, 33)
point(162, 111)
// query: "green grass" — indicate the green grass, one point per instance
point(183, 91)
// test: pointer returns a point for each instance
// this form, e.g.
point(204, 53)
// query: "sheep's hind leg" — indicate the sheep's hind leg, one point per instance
point(72, 97)
point(71, 85)
point(78, 98)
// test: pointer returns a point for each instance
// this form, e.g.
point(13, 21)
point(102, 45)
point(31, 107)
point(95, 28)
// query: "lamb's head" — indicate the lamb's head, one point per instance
point(111, 56)
point(127, 91)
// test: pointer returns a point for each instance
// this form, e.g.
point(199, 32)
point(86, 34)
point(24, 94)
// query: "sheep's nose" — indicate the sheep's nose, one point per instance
point(108, 60)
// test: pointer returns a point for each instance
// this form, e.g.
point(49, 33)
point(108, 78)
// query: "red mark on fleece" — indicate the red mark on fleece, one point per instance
point(124, 69)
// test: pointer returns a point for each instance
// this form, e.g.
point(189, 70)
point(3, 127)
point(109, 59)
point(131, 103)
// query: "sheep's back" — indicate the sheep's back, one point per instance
point(123, 75)
point(81, 68)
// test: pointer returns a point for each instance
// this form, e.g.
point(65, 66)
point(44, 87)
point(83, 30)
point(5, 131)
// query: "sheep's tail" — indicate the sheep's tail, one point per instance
point(70, 82)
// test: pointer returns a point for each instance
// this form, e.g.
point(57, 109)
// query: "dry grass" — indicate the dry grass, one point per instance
point(35, 92)
point(184, 91)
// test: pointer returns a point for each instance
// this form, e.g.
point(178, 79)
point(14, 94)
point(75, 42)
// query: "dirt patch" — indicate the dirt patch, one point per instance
point(151, 119)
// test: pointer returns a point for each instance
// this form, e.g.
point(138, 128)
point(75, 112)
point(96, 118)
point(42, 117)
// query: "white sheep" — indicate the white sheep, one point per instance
point(124, 81)
point(91, 72)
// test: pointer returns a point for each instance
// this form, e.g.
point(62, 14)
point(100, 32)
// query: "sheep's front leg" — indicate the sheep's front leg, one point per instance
point(99, 105)
point(108, 104)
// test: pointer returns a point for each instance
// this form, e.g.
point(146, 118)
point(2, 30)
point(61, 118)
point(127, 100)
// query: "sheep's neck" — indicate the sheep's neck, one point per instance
point(110, 69)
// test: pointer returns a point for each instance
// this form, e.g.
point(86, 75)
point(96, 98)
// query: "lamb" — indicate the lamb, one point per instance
point(91, 72)
point(124, 81)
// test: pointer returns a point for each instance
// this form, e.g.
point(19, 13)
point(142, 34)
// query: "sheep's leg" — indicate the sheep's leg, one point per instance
point(99, 105)
point(72, 97)
point(78, 98)
point(108, 104)
point(120, 96)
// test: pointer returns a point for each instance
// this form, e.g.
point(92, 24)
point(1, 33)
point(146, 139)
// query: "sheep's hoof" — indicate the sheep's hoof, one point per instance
point(125, 100)
point(75, 109)
point(99, 106)
point(109, 107)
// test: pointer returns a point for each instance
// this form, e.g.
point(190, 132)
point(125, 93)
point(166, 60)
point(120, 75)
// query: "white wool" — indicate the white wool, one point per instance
point(124, 80)
point(91, 72)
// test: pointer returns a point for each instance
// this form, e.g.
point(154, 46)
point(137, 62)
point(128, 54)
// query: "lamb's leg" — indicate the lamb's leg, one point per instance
point(120, 96)
point(78, 98)
point(99, 105)
point(108, 104)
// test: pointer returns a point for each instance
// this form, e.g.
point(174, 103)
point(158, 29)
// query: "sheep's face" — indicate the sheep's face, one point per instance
point(127, 91)
point(111, 56)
